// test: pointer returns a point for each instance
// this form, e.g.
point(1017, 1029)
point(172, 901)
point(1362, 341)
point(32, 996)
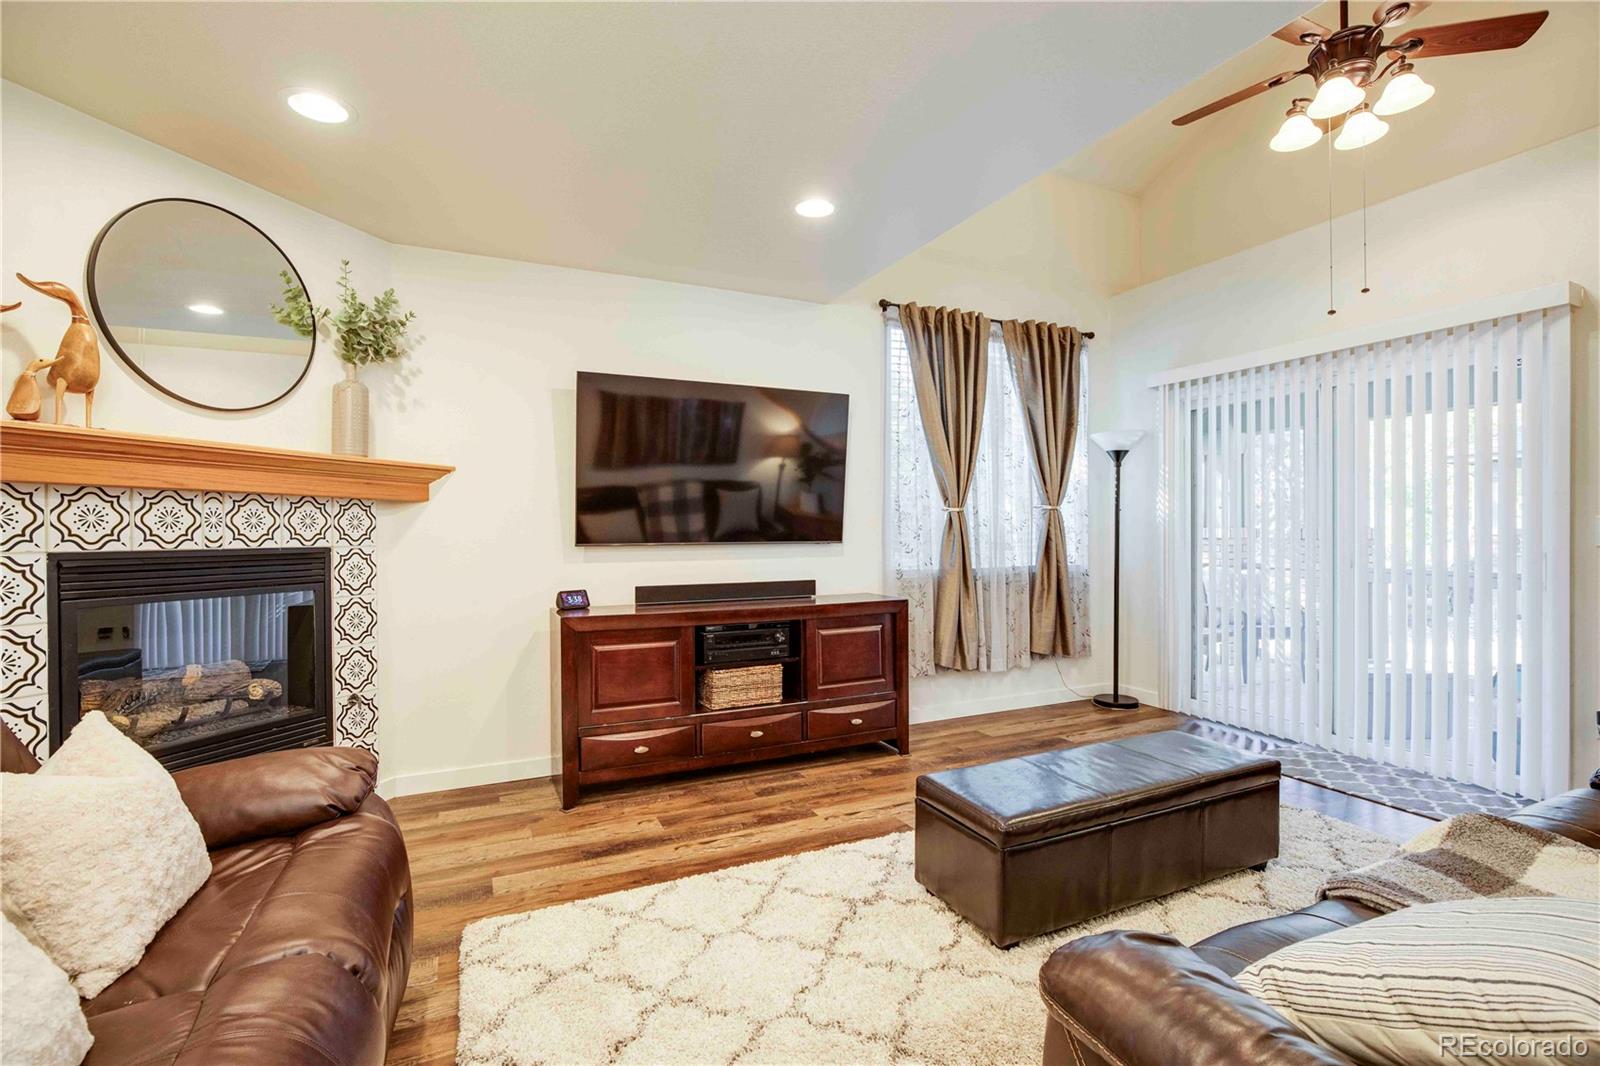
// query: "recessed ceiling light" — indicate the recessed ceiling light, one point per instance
point(318, 107)
point(816, 207)
point(205, 309)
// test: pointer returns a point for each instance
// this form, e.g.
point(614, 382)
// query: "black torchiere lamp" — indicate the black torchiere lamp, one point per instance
point(1117, 444)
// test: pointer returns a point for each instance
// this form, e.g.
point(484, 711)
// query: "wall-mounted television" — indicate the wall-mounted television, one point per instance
point(662, 461)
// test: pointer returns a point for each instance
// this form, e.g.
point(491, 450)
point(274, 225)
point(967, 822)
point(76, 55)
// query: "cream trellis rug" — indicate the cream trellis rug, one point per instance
point(832, 956)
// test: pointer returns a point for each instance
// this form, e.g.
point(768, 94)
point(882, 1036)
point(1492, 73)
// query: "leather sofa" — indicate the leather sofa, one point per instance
point(1141, 999)
point(296, 951)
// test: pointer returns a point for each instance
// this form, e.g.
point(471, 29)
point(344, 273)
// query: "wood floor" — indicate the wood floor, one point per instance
point(500, 849)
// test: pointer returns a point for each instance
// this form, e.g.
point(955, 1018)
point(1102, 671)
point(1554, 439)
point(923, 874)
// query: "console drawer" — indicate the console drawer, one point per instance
point(742, 734)
point(635, 748)
point(851, 718)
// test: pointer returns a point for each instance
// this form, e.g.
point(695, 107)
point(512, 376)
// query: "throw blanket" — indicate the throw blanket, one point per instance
point(1469, 857)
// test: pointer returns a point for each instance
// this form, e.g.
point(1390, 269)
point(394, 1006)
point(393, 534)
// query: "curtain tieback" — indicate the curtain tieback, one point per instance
point(949, 510)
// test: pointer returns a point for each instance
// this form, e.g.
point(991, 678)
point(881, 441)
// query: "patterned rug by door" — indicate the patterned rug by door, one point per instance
point(828, 956)
point(1393, 786)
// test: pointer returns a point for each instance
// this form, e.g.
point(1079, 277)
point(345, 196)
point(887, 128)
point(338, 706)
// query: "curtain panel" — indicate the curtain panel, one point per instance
point(1044, 360)
point(1004, 515)
point(1368, 549)
point(950, 368)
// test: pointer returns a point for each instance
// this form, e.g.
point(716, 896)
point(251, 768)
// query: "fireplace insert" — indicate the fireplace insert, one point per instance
point(199, 656)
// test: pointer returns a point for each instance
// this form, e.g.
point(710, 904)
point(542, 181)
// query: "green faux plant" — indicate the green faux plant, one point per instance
point(366, 332)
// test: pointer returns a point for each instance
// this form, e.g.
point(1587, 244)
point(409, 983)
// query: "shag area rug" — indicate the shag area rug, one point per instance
point(831, 956)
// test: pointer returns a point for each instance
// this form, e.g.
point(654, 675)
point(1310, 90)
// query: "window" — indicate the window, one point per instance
point(1004, 514)
point(1366, 550)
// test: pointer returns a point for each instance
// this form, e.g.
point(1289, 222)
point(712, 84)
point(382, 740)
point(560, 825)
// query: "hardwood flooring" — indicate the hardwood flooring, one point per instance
point(500, 849)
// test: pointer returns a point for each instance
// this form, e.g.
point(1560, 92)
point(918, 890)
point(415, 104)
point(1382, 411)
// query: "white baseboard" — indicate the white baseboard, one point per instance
point(495, 773)
point(492, 773)
point(938, 711)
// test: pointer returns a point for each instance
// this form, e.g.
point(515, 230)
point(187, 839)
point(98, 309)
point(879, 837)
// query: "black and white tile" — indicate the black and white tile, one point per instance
point(38, 519)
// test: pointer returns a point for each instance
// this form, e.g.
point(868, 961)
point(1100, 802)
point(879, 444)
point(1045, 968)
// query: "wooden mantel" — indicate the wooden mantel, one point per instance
point(71, 455)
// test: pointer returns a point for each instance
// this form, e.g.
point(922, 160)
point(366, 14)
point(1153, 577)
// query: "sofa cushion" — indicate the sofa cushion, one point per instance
point(99, 852)
point(1503, 980)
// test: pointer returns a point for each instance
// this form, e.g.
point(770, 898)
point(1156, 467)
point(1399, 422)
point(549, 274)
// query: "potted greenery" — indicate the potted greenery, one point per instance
point(364, 332)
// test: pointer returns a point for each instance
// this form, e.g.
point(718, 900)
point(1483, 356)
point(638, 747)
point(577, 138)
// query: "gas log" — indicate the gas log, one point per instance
point(159, 701)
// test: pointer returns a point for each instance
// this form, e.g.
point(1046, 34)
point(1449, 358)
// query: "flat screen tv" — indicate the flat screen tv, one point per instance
point(692, 462)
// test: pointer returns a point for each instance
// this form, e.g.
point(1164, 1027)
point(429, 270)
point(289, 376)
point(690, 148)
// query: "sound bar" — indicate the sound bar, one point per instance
point(722, 592)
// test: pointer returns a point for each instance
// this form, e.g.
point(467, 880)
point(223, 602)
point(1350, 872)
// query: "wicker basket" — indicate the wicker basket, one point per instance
point(741, 686)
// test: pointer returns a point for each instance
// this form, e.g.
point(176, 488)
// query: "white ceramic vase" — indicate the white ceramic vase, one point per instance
point(351, 426)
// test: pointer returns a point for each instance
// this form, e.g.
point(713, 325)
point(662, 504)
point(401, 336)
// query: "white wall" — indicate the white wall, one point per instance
point(466, 580)
point(1510, 226)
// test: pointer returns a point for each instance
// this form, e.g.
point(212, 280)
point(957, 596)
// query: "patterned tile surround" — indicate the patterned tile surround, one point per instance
point(37, 519)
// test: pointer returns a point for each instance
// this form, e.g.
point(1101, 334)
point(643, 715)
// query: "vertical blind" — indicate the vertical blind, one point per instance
point(1368, 549)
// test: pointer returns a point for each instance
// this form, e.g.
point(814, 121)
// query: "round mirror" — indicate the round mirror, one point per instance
point(191, 296)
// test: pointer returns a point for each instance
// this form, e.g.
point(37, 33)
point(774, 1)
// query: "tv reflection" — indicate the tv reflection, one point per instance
point(663, 461)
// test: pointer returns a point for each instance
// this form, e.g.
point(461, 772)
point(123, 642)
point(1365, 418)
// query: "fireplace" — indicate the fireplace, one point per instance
point(199, 656)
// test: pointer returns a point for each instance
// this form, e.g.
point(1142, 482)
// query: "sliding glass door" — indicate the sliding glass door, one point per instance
point(1366, 549)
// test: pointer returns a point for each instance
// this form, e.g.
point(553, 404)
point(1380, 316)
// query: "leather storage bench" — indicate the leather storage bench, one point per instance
point(1025, 846)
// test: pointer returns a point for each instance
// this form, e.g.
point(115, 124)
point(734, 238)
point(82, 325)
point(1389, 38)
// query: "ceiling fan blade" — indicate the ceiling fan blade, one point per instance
point(1295, 29)
point(1479, 35)
point(1399, 12)
point(1243, 94)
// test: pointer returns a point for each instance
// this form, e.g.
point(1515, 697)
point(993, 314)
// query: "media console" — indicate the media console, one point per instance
point(624, 680)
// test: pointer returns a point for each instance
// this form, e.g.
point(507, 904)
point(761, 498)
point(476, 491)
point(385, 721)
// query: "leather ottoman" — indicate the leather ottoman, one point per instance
point(1024, 846)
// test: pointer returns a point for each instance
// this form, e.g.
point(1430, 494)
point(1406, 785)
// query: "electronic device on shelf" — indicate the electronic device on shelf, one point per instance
point(744, 642)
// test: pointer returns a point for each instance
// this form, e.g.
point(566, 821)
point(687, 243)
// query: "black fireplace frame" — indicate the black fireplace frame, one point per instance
point(92, 579)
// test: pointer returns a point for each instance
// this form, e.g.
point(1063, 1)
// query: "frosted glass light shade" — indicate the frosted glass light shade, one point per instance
point(1404, 91)
point(1360, 130)
point(1117, 440)
point(1335, 96)
point(1297, 132)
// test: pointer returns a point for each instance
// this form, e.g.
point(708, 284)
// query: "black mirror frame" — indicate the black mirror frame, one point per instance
point(129, 361)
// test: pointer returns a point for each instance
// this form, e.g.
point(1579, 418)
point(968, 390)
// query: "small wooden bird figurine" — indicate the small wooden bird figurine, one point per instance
point(76, 367)
point(26, 400)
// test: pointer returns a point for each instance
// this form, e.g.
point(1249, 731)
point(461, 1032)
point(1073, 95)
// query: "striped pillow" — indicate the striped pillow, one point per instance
point(1514, 982)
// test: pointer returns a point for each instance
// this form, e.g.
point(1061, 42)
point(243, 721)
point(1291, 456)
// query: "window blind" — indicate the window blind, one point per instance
point(1368, 549)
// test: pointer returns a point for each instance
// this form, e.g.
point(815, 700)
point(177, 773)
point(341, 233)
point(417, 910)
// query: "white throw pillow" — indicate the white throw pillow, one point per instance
point(41, 1023)
point(1502, 982)
point(97, 852)
point(611, 527)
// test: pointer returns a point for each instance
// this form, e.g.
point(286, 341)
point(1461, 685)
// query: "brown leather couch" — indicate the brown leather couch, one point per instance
point(1140, 999)
point(296, 951)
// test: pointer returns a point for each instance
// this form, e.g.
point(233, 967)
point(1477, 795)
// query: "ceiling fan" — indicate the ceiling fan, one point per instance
point(1346, 62)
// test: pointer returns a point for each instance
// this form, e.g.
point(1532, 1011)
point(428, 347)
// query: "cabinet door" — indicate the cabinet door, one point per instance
point(635, 675)
point(850, 656)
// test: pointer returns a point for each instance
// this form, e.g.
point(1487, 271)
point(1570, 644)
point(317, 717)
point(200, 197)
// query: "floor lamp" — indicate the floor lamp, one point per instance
point(1117, 444)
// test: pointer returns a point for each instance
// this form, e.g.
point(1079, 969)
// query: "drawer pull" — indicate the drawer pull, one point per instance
point(755, 733)
point(642, 749)
point(855, 721)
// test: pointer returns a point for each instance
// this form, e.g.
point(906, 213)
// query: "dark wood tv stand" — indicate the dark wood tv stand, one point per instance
point(624, 679)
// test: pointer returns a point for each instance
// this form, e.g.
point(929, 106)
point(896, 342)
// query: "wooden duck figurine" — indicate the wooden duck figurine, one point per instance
point(26, 399)
point(76, 367)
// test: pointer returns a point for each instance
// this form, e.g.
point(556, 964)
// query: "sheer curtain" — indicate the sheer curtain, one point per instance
point(1004, 513)
point(1367, 549)
point(174, 633)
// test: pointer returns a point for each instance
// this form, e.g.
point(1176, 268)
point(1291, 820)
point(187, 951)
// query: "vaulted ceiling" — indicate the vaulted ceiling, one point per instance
point(666, 140)
point(1213, 188)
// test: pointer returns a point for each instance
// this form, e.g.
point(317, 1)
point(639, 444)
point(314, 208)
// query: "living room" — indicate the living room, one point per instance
point(818, 207)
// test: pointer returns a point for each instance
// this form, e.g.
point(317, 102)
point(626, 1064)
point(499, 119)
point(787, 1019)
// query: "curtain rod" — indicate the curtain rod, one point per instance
point(884, 305)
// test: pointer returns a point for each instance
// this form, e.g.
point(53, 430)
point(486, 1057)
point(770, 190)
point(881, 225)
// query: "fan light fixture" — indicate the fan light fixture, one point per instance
point(1404, 91)
point(1335, 96)
point(1297, 131)
point(1360, 130)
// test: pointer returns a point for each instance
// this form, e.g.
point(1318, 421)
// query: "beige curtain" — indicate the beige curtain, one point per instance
point(1045, 358)
point(950, 364)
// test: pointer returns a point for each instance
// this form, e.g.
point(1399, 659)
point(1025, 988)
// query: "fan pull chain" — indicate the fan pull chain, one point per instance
point(1329, 139)
point(1364, 286)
